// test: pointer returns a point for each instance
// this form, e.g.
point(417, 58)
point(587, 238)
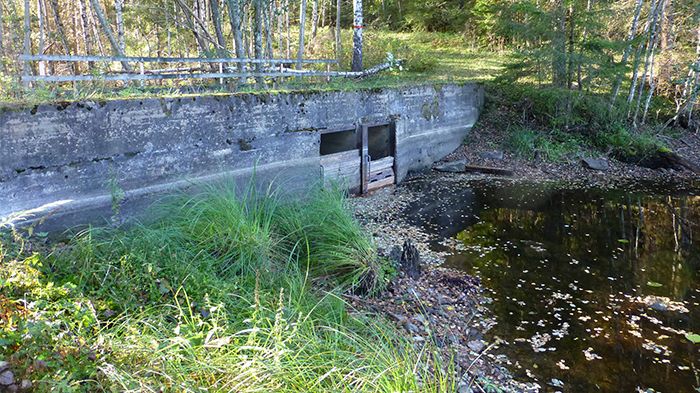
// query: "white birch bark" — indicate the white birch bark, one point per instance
point(357, 35)
point(302, 25)
point(625, 55)
point(119, 11)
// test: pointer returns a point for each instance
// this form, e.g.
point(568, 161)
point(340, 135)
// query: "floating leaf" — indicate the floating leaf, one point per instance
point(694, 338)
point(654, 284)
point(623, 241)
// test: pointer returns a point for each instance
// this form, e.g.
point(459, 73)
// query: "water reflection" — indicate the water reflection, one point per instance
point(594, 288)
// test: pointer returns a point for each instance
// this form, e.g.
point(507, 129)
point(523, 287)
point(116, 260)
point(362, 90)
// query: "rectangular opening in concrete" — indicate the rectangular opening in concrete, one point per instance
point(379, 143)
point(339, 141)
point(340, 159)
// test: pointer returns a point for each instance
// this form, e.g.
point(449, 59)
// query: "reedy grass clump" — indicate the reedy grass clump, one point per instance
point(213, 294)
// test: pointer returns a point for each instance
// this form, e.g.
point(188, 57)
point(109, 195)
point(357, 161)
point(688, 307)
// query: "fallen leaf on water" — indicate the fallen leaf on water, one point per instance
point(654, 284)
point(694, 338)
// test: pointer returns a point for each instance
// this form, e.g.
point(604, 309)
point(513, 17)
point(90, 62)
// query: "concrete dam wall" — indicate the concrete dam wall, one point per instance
point(66, 160)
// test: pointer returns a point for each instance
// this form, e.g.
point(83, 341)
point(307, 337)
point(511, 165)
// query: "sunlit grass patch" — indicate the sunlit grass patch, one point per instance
point(223, 290)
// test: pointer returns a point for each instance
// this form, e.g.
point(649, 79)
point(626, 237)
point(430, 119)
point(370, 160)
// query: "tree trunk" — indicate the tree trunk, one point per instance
point(267, 11)
point(2, 37)
point(649, 60)
point(625, 55)
point(570, 60)
point(234, 12)
point(42, 35)
point(641, 49)
point(192, 24)
point(258, 9)
point(559, 45)
point(119, 11)
point(338, 38)
point(27, 39)
point(108, 32)
point(357, 36)
point(216, 20)
point(289, 34)
point(302, 23)
point(314, 20)
point(652, 80)
point(61, 31)
point(85, 30)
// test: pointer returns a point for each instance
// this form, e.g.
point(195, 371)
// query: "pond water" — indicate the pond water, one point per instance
point(594, 290)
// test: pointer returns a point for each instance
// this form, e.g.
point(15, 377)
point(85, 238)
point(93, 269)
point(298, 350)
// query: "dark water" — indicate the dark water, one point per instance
point(594, 288)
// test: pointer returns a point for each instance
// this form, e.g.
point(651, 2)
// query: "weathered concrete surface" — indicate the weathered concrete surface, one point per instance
point(65, 156)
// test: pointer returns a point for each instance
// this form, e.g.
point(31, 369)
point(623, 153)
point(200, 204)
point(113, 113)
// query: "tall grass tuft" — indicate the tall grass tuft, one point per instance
point(215, 295)
point(323, 231)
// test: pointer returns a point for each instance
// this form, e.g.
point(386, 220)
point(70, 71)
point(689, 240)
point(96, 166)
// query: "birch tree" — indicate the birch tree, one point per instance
point(219, 32)
point(357, 35)
point(2, 38)
point(625, 55)
point(338, 39)
point(234, 12)
point(107, 29)
point(302, 23)
point(314, 20)
point(119, 11)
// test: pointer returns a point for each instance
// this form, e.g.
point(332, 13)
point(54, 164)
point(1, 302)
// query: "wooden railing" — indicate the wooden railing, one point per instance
point(263, 68)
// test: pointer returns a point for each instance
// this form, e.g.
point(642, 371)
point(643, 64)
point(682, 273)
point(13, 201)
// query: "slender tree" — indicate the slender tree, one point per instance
point(357, 35)
point(338, 38)
point(42, 34)
point(314, 20)
point(625, 55)
point(234, 12)
point(218, 30)
point(302, 25)
point(107, 29)
point(2, 39)
point(119, 11)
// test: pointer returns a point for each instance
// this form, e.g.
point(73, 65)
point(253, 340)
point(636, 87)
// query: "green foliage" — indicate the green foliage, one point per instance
point(555, 123)
point(211, 294)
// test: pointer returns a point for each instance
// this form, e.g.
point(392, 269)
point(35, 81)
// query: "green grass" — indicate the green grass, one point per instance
point(223, 291)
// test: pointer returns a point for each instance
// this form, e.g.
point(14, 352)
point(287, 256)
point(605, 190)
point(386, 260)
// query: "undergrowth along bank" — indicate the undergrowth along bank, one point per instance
point(228, 291)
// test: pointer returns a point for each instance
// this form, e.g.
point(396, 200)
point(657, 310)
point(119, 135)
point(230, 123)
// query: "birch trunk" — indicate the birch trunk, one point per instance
point(216, 21)
point(653, 30)
point(234, 13)
point(652, 80)
point(314, 20)
point(257, 34)
point(357, 35)
point(280, 23)
point(85, 29)
point(108, 32)
point(641, 49)
point(289, 34)
point(2, 36)
point(119, 11)
point(625, 55)
point(302, 23)
point(61, 31)
point(42, 35)
point(267, 12)
point(27, 39)
point(338, 38)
